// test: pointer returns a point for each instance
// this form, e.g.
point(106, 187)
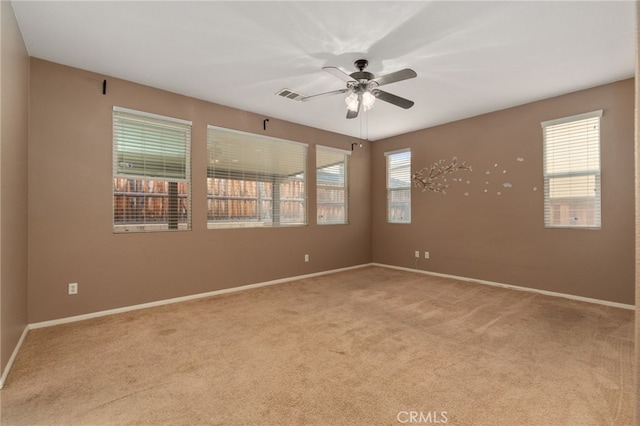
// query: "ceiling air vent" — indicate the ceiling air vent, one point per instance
point(290, 94)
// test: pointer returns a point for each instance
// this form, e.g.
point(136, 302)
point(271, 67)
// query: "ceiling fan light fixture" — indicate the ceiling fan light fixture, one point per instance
point(368, 99)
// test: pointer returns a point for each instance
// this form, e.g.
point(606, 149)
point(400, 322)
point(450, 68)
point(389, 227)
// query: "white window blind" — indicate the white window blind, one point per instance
point(331, 185)
point(399, 186)
point(254, 180)
point(151, 172)
point(572, 171)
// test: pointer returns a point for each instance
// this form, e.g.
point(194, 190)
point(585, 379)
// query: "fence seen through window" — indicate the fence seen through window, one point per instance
point(254, 180)
point(151, 172)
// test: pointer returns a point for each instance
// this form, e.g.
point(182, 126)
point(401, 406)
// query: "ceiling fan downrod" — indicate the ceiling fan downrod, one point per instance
point(359, 75)
point(361, 64)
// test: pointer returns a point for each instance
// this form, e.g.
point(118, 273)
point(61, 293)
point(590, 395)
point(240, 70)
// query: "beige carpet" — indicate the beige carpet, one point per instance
point(372, 346)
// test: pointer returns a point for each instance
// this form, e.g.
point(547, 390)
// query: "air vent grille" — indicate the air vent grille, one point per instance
point(290, 94)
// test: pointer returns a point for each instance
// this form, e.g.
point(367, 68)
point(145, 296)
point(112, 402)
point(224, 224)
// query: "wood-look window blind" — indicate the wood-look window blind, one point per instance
point(151, 172)
point(572, 171)
point(332, 193)
point(255, 180)
point(399, 186)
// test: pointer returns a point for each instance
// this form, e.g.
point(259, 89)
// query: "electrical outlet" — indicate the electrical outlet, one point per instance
point(417, 254)
point(306, 257)
point(426, 254)
point(73, 288)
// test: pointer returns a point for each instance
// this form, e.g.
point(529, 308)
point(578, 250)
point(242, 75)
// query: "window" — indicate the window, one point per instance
point(572, 171)
point(399, 186)
point(254, 180)
point(331, 185)
point(151, 172)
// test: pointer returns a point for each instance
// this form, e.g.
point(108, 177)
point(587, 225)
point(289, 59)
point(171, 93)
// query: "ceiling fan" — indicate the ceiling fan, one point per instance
point(363, 88)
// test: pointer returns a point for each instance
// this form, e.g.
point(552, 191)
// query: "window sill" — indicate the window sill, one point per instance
point(145, 228)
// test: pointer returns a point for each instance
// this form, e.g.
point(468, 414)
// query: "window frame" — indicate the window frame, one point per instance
point(324, 189)
point(397, 189)
point(173, 181)
point(586, 136)
point(259, 177)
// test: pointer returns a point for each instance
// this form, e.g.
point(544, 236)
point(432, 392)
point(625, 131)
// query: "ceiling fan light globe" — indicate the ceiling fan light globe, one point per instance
point(352, 102)
point(368, 100)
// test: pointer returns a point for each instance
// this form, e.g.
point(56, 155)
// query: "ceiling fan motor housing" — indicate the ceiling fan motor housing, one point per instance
point(362, 75)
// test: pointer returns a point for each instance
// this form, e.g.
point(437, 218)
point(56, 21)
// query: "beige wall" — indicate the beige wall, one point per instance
point(14, 81)
point(70, 204)
point(501, 238)
point(484, 236)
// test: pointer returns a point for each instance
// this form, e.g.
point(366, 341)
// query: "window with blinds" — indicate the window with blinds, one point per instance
point(399, 186)
point(572, 171)
point(254, 180)
point(151, 172)
point(331, 185)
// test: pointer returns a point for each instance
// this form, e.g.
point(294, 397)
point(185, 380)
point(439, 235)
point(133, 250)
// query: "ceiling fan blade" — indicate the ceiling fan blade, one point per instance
point(322, 95)
point(404, 74)
point(392, 99)
point(337, 72)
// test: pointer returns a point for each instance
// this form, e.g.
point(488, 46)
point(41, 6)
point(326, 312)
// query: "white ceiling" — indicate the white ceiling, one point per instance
point(470, 57)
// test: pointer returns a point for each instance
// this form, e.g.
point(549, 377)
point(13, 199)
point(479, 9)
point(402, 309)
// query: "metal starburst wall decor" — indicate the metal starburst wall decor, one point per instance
point(433, 178)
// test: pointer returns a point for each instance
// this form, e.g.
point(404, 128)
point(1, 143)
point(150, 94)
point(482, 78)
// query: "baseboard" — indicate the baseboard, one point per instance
point(5, 373)
point(185, 298)
point(76, 318)
point(299, 277)
point(513, 287)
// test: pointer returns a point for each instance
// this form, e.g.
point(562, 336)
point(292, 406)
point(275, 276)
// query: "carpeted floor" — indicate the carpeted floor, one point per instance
point(371, 346)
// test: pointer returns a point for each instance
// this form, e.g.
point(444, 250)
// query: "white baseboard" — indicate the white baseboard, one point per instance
point(5, 373)
point(50, 323)
point(513, 287)
point(280, 281)
point(185, 298)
